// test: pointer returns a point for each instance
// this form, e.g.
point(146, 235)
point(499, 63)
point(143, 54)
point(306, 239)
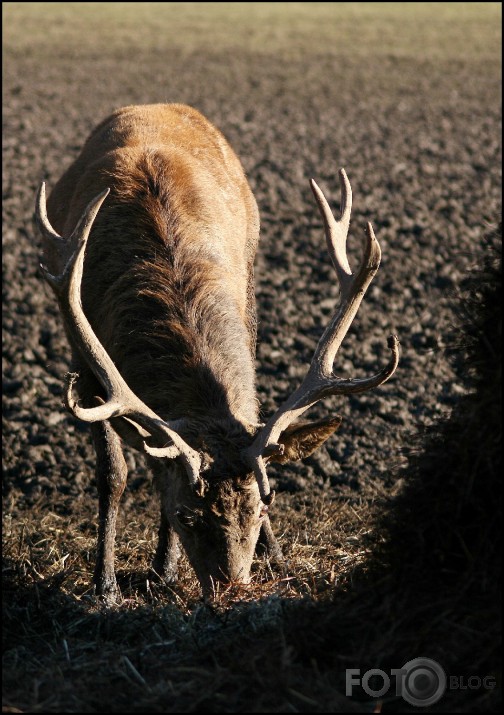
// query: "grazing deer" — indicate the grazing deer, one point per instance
point(151, 259)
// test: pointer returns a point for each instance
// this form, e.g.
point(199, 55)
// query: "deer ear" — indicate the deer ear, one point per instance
point(301, 439)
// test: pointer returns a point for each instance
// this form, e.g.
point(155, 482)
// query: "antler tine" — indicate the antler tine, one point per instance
point(336, 232)
point(121, 400)
point(58, 250)
point(353, 289)
point(319, 381)
point(41, 215)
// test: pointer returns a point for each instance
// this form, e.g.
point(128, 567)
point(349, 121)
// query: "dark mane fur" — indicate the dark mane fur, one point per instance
point(159, 301)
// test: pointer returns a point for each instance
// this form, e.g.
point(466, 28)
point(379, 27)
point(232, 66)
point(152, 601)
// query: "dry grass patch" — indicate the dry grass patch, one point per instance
point(162, 649)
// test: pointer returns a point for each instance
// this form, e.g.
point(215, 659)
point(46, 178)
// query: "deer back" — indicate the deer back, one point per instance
point(168, 282)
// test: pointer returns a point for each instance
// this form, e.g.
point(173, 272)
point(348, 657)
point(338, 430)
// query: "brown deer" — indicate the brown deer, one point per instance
point(151, 259)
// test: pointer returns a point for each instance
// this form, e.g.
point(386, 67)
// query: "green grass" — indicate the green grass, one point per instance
point(448, 30)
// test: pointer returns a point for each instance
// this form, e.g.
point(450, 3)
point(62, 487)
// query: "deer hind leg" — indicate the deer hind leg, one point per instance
point(111, 473)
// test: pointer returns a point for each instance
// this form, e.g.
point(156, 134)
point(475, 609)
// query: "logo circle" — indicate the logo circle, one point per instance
point(423, 682)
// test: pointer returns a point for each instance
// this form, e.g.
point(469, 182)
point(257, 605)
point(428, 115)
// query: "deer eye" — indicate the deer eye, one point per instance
point(185, 518)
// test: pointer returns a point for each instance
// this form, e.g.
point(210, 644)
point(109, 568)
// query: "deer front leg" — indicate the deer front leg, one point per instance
point(165, 563)
point(268, 545)
point(111, 473)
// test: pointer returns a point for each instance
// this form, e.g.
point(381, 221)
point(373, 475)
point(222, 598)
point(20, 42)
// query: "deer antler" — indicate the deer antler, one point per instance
point(121, 400)
point(319, 381)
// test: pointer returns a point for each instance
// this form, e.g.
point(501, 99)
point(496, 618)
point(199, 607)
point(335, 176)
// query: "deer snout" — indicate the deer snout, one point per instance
point(221, 578)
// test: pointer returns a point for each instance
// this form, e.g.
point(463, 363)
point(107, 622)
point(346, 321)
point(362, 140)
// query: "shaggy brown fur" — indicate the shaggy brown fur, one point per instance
point(159, 287)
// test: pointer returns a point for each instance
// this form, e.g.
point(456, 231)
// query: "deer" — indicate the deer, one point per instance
point(149, 239)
